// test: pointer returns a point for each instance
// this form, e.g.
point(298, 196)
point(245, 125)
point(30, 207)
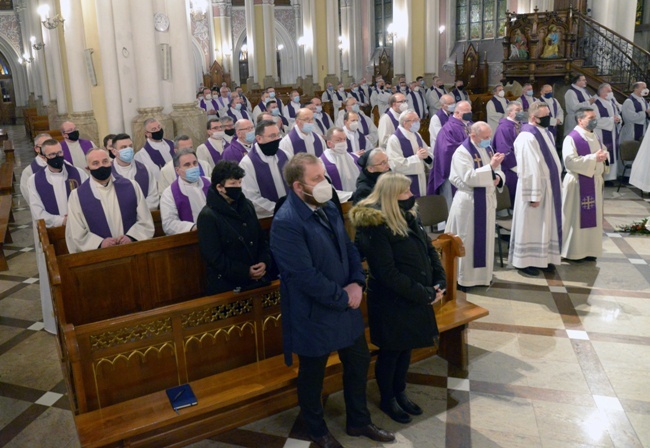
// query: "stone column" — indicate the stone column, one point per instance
point(357, 58)
point(39, 57)
point(188, 119)
point(223, 38)
point(57, 109)
point(253, 79)
point(431, 36)
point(400, 38)
point(297, 15)
point(332, 42)
point(148, 75)
point(270, 48)
point(82, 107)
point(108, 53)
point(346, 34)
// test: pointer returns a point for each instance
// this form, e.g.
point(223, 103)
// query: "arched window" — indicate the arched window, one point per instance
point(480, 19)
point(383, 18)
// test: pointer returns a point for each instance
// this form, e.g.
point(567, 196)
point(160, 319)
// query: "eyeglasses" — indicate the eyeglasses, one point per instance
point(54, 154)
point(382, 163)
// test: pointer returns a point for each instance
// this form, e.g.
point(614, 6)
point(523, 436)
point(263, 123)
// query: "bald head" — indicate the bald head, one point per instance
point(463, 108)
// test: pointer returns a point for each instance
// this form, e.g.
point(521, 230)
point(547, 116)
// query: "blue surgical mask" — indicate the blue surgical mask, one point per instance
point(319, 109)
point(271, 94)
point(308, 128)
point(451, 108)
point(126, 154)
point(296, 99)
point(355, 90)
point(485, 143)
point(275, 112)
point(415, 126)
point(356, 108)
point(237, 106)
point(529, 93)
point(250, 137)
point(192, 174)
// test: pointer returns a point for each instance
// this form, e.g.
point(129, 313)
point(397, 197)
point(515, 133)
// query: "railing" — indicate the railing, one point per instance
point(616, 57)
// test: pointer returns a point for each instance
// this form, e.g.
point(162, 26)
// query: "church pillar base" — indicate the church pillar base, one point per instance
point(190, 120)
point(87, 125)
point(251, 84)
point(331, 79)
point(308, 85)
point(346, 78)
point(269, 81)
point(137, 125)
point(53, 116)
point(428, 78)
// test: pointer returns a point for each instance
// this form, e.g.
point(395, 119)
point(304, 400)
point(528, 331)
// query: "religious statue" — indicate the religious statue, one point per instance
point(552, 42)
point(519, 47)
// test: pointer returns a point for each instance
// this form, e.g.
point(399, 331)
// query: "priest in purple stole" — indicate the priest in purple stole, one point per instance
point(183, 200)
point(236, 109)
point(585, 159)
point(476, 174)
point(211, 150)
point(124, 165)
point(292, 108)
point(576, 97)
point(608, 129)
point(37, 164)
point(557, 113)
point(389, 122)
point(458, 92)
point(263, 184)
point(242, 143)
point(105, 210)
point(496, 107)
point(408, 154)
point(303, 137)
point(168, 173)
point(157, 150)
point(527, 97)
point(341, 166)
point(323, 121)
point(357, 141)
point(449, 139)
point(209, 104)
point(366, 125)
point(504, 142)
point(636, 113)
point(74, 148)
point(536, 237)
point(447, 105)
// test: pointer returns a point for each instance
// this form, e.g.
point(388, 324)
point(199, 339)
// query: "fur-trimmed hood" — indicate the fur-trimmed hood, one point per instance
point(364, 216)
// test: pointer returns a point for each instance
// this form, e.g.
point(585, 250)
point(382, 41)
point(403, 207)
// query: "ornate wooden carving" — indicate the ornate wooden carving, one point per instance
point(473, 71)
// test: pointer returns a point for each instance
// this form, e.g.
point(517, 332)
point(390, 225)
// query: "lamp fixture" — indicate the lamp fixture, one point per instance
point(49, 22)
point(36, 46)
point(25, 59)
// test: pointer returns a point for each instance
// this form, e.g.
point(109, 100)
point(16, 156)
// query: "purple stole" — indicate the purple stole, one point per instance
point(555, 177)
point(299, 144)
point(498, 106)
point(480, 209)
point(235, 151)
point(93, 211)
point(554, 111)
point(329, 95)
point(608, 136)
point(154, 154)
point(587, 185)
point(449, 139)
point(503, 142)
point(333, 171)
point(141, 176)
point(214, 105)
point(435, 89)
point(416, 106)
point(364, 124)
point(392, 119)
point(223, 105)
point(216, 157)
point(292, 111)
point(86, 145)
point(458, 95)
point(638, 128)
point(262, 106)
point(362, 142)
point(579, 95)
point(325, 123)
point(443, 117)
point(407, 151)
point(244, 115)
point(35, 167)
point(263, 173)
point(360, 97)
point(525, 102)
point(183, 202)
point(46, 190)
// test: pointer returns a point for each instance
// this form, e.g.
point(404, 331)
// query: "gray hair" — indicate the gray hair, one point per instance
point(582, 112)
point(181, 138)
point(181, 153)
point(512, 105)
point(149, 121)
point(602, 86)
point(494, 89)
point(40, 136)
point(225, 120)
point(331, 131)
point(373, 153)
point(478, 127)
point(403, 115)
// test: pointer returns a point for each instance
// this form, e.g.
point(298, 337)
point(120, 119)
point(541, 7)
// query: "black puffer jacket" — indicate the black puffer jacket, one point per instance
point(366, 180)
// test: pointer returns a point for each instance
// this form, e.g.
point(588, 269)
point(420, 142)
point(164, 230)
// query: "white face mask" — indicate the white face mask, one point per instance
point(218, 135)
point(403, 107)
point(321, 192)
point(501, 94)
point(610, 96)
point(207, 97)
point(645, 92)
point(354, 126)
point(340, 147)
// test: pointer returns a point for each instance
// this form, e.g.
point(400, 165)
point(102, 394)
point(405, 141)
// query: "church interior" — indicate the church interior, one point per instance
point(557, 360)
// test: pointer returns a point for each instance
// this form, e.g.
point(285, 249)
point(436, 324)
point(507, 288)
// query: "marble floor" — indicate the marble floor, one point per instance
point(563, 360)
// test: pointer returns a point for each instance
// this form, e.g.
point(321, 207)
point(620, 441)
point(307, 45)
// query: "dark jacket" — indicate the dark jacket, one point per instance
point(231, 241)
point(316, 262)
point(403, 272)
point(366, 180)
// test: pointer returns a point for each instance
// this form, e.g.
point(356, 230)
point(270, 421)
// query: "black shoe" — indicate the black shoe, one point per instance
point(394, 411)
point(590, 259)
point(406, 404)
point(326, 441)
point(372, 432)
point(549, 268)
point(529, 271)
point(462, 288)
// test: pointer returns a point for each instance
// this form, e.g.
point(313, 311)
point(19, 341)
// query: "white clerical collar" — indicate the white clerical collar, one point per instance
point(514, 121)
point(349, 133)
point(190, 184)
point(395, 114)
point(604, 99)
point(577, 87)
point(638, 97)
point(54, 174)
point(40, 161)
point(584, 133)
point(119, 166)
point(101, 186)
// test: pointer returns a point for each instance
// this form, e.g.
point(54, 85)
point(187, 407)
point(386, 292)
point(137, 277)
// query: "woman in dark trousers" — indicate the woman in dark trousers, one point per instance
point(406, 279)
point(233, 245)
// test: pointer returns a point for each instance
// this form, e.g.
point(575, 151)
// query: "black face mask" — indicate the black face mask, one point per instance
point(460, 87)
point(158, 135)
point(406, 204)
point(233, 192)
point(74, 136)
point(102, 173)
point(57, 162)
point(270, 148)
point(229, 132)
point(467, 116)
point(544, 121)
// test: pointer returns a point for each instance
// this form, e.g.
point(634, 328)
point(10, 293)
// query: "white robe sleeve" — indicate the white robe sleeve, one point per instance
point(78, 236)
point(38, 209)
point(560, 111)
point(152, 195)
point(400, 164)
point(630, 115)
point(529, 168)
point(263, 207)
point(386, 129)
point(24, 183)
point(584, 165)
point(286, 146)
point(464, 176)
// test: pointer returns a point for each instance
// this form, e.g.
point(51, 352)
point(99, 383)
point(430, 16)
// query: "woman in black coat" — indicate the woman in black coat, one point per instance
point(406, 278)
point(233, 245)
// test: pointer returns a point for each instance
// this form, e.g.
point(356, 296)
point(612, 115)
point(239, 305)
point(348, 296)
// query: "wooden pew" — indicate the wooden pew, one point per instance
point(6, 217)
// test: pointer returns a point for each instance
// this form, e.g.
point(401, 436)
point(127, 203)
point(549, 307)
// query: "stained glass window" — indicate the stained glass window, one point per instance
point(383, 18)
point(480, 19)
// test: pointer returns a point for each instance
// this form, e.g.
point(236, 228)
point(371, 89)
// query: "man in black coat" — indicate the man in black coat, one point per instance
point(233, 245)
point(374, 164)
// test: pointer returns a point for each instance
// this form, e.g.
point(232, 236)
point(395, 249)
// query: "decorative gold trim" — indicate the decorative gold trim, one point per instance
point(217, 313)
point(276, 318)
point(214, 333)
point(271, 299)
point(125, 335)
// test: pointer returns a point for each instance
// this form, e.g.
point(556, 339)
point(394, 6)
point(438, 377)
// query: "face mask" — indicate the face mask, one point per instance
point(520, 116)
point(645, 92)
point(610, 96)
point(102, 173)
point(308, 128)
point(319, 109)
point(218, 135)
point(192, 174)
point(275, 112)
point(451, 108)
point(548, 95)
point(501, 94)
point(270, 148)
point(158, 135)
point(422, 83)
point(460, 88)
point(415, 126)
point(355, 90)
point(416, 89)
point(272, 95)
point(208, 97)
point(545, 121)
point(126, 154)
point(467, 116)
point(406, 204)
point(229, 132)
point(355, 108)
point(321, 192)
point(237, 106)
point(296, 99)
point(201, 97)
point(330, 88)
point(529, 93)
point(250, 137)
point(340, 147)
point(484, 143)
point(403, 107)
point(380, 87)
point(592, 124)
point(364, 85)
point(341, 90)
point(74, 136)
point(354, 126)
point(402, 88)
point(57, 162)
point(233, 192)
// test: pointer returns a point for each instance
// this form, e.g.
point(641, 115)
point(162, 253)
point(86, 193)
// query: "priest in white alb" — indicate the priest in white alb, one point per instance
point(211, 150)
point(496, 107)
point(157, 150)
point(366, 125)
point(341, 166)
point(168, 173)
point(447, 105)
point(608, 129)
point(74, 148)
point(358, 143)
point(38, 163)
point(576, 97)
point(636, 113)
point(304, 136)
point(389, 122)
point(124, 165)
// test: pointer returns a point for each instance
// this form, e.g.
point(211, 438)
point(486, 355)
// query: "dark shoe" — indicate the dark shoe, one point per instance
point(326, 441)
point(549, 268)
point(372, 432)
point(406, 404)
point(529, 271)
point(590, 259)
point(394, 411)
point(462, 288)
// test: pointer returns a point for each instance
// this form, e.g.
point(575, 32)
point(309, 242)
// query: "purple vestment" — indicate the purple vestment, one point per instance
point(587, 185)
point(46, 190)
point(86, 145)
point(504, 142)
point(450, 137)
point(93, 211)
point(183, 205)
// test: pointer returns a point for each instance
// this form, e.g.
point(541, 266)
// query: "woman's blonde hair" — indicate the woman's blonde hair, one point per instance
point(384, 196)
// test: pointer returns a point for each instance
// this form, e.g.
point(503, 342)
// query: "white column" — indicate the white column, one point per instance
point(312, 40)
point(297, 15)
point(625, 20)
point(400, 28)
point(226, 41)
point(125, 67)
point(356, 32)
point(110, 74)
point(75, 45)
point(249, 6)
point(346, 12)
point(181, 50)
point(39, 57)
point(270, 56)
point(332, 37)
point(53, 55)
point(145, 53)
point(431, 35)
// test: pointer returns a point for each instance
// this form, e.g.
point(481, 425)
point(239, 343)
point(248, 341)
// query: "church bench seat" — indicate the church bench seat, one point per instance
point(5, 236)
point(7, 177)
